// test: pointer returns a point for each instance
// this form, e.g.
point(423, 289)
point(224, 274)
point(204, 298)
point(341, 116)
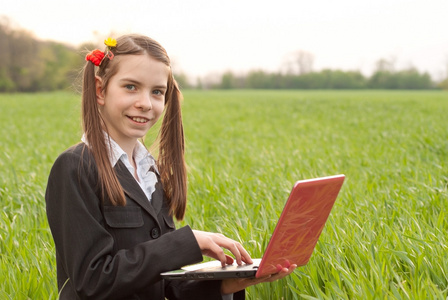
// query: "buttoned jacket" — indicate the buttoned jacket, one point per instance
point(116, 252)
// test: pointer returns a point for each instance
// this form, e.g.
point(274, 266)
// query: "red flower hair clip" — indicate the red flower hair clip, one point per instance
point(96, 57)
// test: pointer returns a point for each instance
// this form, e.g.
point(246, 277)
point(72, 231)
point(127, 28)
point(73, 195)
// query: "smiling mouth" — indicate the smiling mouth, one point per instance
point(139, 119)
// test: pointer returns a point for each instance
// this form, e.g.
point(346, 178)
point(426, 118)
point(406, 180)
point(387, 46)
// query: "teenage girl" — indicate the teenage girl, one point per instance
point(110, 204)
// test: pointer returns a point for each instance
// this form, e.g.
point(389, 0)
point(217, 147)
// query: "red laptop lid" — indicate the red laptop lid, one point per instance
point(301, 223)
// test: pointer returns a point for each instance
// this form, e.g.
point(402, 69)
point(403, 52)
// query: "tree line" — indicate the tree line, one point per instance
point(298, 74)
point(29, 65)
point(328, 79)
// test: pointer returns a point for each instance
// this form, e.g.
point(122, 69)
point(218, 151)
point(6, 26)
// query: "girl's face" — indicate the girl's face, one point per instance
point(134, 98)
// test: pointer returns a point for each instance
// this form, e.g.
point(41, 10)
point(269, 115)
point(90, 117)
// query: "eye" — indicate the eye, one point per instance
point(158, 92)
point(130, 87)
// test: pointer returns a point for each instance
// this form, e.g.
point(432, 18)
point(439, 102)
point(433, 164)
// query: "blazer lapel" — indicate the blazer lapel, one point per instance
point(133, 189)
point(157, 196)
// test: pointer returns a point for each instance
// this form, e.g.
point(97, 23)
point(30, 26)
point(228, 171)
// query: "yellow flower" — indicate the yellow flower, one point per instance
point(110, 42)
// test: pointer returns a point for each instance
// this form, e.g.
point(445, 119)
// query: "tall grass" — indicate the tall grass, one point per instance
point(34, 129)
point(385, 238)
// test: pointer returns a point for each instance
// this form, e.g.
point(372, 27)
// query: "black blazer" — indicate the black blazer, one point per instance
point(116, 252)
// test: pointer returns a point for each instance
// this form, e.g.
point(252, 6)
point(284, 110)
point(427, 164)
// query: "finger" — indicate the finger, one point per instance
point(241, 255)
point(245, 256)
point(283, 273)
point(218, 253)
point(210, 242)
point(212, 253)
point(233, 247)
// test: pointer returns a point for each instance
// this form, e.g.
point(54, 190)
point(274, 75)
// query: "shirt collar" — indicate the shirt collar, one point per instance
point(141, 154)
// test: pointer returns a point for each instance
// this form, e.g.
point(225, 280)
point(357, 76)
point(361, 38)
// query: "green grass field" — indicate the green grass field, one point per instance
point(386, 237)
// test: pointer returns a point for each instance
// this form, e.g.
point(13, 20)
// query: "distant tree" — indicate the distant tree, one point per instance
point(443, 84)
point(382, 80)
point(25, 68)
point(331, 79)
point(182, 80)
point(6, 83)
point(211, 81)
point(28, 65)
point(199, 83)
point(62, 66)
point(304, 62)
point(228, 81)
point(412, 79)
point(345, 80)
point(299, 62)
point(404, 79)
point(258, 79)
point(385, 65)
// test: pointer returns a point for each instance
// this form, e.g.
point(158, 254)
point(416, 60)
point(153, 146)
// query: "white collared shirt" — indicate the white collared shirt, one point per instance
point(143, 161)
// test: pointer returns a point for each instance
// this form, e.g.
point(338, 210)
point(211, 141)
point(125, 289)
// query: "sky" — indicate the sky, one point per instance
point(208, 37)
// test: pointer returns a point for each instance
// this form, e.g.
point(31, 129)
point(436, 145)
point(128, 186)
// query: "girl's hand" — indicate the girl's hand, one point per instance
point(230, 286)
point(211, 244)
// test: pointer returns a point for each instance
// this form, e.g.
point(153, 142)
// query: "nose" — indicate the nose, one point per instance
point(144, 103)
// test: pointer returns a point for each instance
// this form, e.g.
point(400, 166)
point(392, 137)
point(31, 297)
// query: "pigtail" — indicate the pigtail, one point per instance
point(171, 160)
point(93, 129)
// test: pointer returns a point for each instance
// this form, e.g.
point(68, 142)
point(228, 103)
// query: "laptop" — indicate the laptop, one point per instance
point(293, 240)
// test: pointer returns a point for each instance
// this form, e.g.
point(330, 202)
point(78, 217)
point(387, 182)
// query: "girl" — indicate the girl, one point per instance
point(110, 205)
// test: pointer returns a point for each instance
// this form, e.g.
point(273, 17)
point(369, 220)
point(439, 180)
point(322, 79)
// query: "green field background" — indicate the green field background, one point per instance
point(386, 237)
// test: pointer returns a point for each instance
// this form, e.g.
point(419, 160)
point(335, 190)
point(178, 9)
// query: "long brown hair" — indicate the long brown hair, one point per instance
point(170, 161)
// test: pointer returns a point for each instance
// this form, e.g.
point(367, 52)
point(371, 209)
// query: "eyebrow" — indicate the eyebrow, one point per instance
point(134, 81)
point(161, 87)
